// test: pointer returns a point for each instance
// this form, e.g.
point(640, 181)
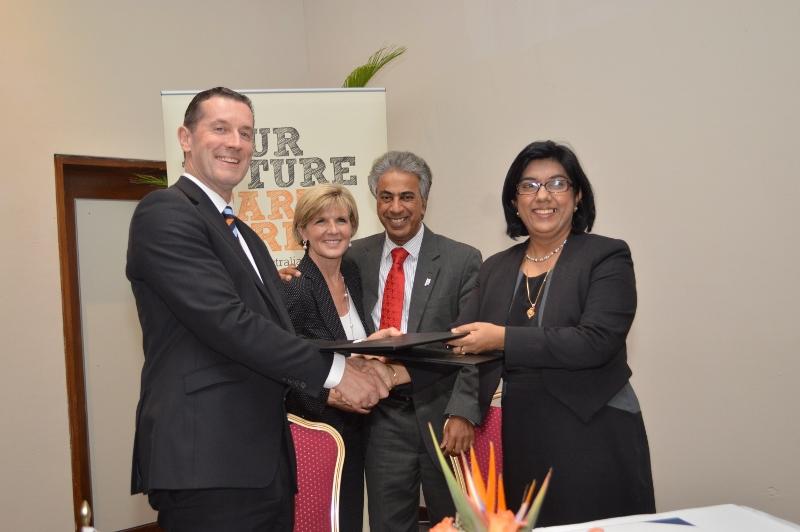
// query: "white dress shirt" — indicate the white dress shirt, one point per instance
point(409, 269)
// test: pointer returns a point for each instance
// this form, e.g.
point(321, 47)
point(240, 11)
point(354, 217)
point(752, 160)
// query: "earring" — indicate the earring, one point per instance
point(349, 244)
point(575, 209)
point(305, 244)
point(517, 213)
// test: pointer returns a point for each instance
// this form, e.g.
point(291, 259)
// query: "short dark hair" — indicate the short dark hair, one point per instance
point(194, 113)
point(582, 219)
point(401, 161)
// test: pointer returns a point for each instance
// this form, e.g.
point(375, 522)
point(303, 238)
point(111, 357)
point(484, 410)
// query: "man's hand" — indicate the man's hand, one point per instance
point(379, 335)
point(384, 333)
point(458, 435)
point(288, 273)
point(359, 389)
point(382, 371)
point(335, 400)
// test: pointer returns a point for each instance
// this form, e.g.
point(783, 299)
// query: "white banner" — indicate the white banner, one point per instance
point(303, 137)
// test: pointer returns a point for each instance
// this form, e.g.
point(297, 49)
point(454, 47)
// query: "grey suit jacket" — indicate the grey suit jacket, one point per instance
point(452, 268)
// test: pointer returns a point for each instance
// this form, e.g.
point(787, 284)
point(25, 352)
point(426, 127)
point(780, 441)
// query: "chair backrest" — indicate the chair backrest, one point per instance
point(320, 456)
point(490, 431)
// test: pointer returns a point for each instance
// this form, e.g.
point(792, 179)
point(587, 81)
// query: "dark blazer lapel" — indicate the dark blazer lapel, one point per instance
point(326, 308)
point(212, 216)
point(209, 212)
point(424, 278)
point(504, 282)
point(269, 288)
point(353, 281)
point(372, 267)
point(263, 260)
point(563, 276)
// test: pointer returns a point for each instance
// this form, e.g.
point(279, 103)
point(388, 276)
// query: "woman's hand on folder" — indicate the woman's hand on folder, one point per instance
point(482, 337)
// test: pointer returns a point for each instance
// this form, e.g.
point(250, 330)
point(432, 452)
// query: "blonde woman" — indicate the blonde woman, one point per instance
point(324, 302)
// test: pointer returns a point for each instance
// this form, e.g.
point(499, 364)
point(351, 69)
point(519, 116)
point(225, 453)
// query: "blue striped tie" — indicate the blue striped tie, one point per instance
point(227, 213)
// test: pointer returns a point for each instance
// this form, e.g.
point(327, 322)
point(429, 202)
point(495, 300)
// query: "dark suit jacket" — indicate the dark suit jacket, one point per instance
point(314, 315)
point(445, 275)
point(219, 349)
point(585, 314)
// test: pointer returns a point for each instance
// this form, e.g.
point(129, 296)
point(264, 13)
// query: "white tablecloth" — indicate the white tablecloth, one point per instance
point(722, 518)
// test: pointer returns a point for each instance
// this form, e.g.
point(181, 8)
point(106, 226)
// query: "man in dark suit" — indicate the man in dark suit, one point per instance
point(439, 273)
point(212, 448)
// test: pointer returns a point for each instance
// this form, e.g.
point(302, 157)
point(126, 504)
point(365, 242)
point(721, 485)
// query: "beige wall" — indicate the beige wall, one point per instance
point(85, 78)
point(675, 108)
point(685, 115)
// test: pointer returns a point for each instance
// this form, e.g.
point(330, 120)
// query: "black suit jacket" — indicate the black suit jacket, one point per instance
point(314, 315)
point(584, 317)
point(219, 349)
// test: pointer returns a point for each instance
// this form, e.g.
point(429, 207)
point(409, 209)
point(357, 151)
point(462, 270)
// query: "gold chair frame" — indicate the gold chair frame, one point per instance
point(337, 474)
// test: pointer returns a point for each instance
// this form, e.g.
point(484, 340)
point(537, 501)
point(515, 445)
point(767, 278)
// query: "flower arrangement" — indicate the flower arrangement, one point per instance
point(481, 507)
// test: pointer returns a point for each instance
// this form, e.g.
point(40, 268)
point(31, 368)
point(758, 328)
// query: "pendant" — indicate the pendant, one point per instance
point(531, 312)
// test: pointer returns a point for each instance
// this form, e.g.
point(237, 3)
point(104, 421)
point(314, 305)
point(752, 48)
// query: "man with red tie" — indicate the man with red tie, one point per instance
point(417, 281)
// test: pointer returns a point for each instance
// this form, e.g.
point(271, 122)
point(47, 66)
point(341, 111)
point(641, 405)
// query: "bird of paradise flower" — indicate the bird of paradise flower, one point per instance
point(482, 506)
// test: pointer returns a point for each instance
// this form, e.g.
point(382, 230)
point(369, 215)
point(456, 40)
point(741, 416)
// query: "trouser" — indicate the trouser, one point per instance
point(396, 463)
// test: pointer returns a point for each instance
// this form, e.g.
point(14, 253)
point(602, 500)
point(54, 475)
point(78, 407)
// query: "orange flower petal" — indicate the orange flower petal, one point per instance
point(491, 481)
point(445, 525)
point(501, 494)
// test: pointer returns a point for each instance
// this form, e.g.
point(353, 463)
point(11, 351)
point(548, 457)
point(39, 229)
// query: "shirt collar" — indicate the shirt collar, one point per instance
point(412, 246)
point(215, 198)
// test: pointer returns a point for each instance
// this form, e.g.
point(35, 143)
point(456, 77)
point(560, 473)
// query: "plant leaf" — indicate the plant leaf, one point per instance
point(533, 514)
point(473, 497)
point(527, 497)
point(145, 179)
point(361, 75)
point(467, 515)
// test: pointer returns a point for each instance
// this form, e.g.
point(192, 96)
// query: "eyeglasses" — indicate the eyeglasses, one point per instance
point(554, 186)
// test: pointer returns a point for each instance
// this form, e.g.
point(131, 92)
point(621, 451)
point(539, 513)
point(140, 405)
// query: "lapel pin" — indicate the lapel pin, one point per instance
point(427, 281)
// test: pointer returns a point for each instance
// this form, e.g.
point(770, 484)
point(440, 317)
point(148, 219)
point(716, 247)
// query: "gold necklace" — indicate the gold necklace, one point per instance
point(545, 257)
point(531, 312)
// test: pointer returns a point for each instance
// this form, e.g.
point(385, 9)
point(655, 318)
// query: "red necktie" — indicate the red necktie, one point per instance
point(393, 291)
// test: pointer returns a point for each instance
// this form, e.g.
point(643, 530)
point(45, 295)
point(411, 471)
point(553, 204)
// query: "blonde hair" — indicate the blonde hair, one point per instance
point(318, 198)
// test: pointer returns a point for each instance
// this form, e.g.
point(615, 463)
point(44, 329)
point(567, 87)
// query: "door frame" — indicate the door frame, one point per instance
point(85, 177)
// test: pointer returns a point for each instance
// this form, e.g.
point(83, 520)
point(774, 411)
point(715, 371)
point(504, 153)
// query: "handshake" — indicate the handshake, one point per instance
point(367, 379)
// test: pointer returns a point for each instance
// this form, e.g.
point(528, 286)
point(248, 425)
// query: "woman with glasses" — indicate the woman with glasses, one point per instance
point(560, 305)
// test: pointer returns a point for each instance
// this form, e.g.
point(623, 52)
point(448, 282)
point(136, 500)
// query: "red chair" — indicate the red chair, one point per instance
point(320, 456)
point(491, 430)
